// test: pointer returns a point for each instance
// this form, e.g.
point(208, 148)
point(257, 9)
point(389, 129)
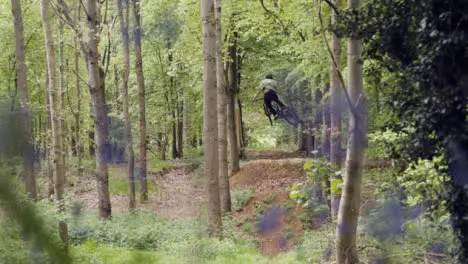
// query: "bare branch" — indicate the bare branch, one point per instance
point(81, 79)
point(332, 6)
point(63, 11)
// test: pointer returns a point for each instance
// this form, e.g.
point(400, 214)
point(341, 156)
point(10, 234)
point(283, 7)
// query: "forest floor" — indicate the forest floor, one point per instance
point(269, 216)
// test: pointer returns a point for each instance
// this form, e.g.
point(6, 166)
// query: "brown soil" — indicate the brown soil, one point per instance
point(272, 180)
point(177, 194)
point(273, 154)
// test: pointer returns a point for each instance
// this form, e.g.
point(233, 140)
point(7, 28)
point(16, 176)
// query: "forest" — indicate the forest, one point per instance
point(234, 131)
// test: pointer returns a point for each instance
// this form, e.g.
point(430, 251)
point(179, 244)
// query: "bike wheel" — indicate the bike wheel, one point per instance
point(290, 116)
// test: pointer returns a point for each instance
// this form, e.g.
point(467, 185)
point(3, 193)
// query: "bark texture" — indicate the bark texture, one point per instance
point(231, 111)
point(336, 101)
point(350, 200)
point(225, 193)
point(210, 131)
point(97, 90)
point(326, 125)
point(187, 137)
point(141, 102)
point(21, 75)
point(128, 127)
point(54, 100)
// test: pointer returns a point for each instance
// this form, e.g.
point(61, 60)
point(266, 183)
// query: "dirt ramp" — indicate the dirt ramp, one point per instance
point(266, 173)
point(270, 212)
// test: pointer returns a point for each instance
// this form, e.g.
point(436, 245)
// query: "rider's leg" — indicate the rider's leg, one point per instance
point(267, 99)
point(277, 100)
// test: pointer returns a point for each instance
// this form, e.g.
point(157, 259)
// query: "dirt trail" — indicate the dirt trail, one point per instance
point(174, 194)
point(179, 194)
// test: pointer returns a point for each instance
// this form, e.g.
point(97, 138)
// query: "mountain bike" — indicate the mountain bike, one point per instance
point(285, 113)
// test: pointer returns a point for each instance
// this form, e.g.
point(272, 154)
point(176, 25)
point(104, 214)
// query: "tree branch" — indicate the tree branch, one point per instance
point(352, 107)
point(63, 11)
point(332, 6)
point(285, 30)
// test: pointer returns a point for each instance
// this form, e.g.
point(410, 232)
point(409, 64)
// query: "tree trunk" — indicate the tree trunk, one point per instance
point(175, 155)
point(49, 142)
point(172, 107)
point(187, 137)
point(97, 91)
point(141, 101)
point(62, 91)
point(117, 103)
point(54, 100)
point(128, 127)
point(240, 125)
point(231, 111)
point(350, 200)
point(21, 73)
point(225, 193)
point(326, 125)
point(336, 101)
point(180, 128)
point(77, 114)
point(210, 131)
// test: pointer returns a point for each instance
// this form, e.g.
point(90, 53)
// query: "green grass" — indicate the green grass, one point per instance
point(155, 165)
point(118, 183)
point(91, 252)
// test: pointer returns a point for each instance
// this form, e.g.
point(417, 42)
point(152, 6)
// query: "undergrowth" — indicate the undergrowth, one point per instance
point(240, 197)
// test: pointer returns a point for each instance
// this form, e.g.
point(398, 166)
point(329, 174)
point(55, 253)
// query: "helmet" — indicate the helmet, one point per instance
point(269, 76)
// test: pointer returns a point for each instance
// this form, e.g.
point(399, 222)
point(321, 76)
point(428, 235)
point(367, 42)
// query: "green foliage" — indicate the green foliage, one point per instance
point(423, 180)
point(383, 143)
point(319, 171)
point(240, 197)
point(138, 231)
point(26, 225)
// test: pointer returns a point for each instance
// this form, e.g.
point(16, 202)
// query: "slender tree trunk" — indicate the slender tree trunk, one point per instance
point(336, 101)
point(175, 155)
point(350, 200)
point(77, 114)
point(180, 124)
point(62, 91)
point(210, 135)
point(231, 111)
point(187, 137)
point(240, 126)
point(54, 100)
point(49, 141)
point(96, 87)
point(128, 127)
point(21, 73)
point(141, 102)
point(117, 103)
point(172, 107)
point(225, 193)
point(326, 125)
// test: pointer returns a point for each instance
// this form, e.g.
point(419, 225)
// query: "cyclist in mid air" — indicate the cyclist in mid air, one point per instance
point(268, 87)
